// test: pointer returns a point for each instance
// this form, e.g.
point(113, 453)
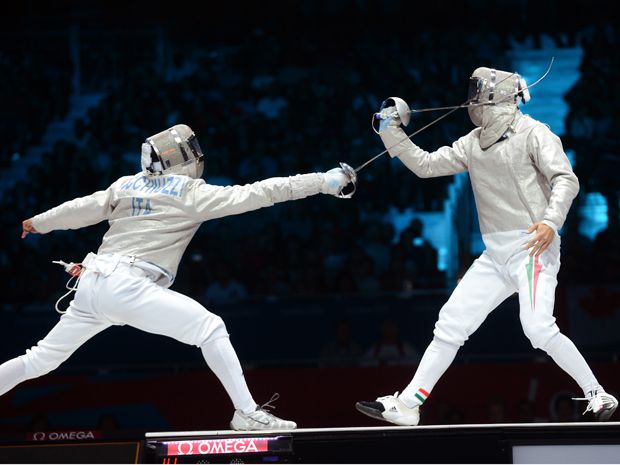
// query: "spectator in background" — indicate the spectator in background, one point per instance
point(526, 411)
point(397, 278)
point(562, 407)
point(606, 253)
point(496, 411)
point(272, 283)
point(345, 282)
point(366, 280)
point(421, 256)
point(224, 289)
point(107, 423)
point(390, 348)
point(39, 422)
point(272, 104)
point(377, 243)
point(343, 350)
point(448, 414)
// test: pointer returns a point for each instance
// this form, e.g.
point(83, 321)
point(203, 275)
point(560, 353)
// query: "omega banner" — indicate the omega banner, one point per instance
point(80, 435)
point(218, 446)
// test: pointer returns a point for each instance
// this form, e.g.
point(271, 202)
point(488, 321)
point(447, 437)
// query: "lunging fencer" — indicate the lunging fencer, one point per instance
point(152, 217)
point(523, 185)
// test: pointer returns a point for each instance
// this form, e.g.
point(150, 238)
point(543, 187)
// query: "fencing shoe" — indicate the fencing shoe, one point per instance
point(260, 419)
point(392, 409)
point(601, 404)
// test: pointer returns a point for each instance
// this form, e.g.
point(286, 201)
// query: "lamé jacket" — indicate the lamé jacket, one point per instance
point(520, 180)
point(153, 218)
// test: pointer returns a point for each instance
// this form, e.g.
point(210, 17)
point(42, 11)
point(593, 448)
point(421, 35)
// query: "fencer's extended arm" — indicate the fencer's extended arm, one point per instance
point(443, 162)
point(217, 201)
point(76, 213)
point(548, 155)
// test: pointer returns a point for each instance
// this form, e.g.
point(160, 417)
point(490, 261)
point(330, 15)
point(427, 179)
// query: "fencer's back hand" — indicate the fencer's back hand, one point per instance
point(390, 113)
point(542, 239)
point(28, 228)
point(334, 181)
point(394, 111)
point(388, 117)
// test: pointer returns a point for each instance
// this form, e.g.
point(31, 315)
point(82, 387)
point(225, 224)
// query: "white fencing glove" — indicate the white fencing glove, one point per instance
point(389, 117)
point(334, 181)
point(394, 112)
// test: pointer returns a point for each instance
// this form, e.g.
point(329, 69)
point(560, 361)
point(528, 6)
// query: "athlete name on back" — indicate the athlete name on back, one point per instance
point(167, 185)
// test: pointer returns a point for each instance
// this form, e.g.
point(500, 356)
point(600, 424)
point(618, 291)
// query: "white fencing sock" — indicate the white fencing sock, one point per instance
point(12, 373)
point(223, 361)
point(564, 352)
point(438, 356)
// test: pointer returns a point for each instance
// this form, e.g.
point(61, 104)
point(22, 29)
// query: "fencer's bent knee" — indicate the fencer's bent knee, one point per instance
point(449, 330)
point(441, 344)
point(38, 361)
point(450, 335)
point(212, 328)
point(219, 328)
point(541, 336)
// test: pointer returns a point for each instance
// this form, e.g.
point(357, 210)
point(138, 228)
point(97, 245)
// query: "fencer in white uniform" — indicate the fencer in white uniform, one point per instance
point(152, 217)
point(523, 185)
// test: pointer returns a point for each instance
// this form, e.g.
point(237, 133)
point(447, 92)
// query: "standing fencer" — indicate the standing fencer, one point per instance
point(152, 216)
point(523, 185)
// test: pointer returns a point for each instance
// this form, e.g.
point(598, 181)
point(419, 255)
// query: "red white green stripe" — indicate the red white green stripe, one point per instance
point(533, 272)
point(421, 395)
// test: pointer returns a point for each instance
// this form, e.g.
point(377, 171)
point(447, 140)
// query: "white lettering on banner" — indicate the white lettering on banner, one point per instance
point(190, 448)
point(252, 447)
point(218, 446)
point(63, 435)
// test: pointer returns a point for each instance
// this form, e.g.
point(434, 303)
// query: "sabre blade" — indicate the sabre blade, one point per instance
point(362, 166)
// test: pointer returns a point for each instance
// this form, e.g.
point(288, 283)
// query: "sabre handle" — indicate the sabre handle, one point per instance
point(352, 175)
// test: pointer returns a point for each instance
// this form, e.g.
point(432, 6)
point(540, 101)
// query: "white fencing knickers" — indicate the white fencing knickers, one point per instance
point(486, 284)
point(128, 296)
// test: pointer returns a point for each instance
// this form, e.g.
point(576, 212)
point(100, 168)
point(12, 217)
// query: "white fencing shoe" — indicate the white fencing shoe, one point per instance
point(392, 409)
point(601, 404)
point(260, 419)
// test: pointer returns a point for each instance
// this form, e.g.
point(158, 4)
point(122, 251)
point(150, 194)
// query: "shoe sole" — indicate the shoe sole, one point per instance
point(606, 414)
point(371, 412)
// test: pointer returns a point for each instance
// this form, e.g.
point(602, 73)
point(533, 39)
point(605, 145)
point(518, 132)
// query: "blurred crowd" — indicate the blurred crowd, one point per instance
point(275, 103)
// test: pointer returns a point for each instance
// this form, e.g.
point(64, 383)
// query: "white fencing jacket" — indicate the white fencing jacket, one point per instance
point(153, 218)
point(520, 180)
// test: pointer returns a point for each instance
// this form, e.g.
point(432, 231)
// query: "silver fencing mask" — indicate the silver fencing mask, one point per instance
point(173, 151)
point(493, 97)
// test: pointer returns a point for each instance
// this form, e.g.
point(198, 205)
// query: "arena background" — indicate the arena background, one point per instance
point(332, 300)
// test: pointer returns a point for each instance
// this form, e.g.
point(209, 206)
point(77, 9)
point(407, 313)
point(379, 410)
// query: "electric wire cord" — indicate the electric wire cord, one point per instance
point(71, 286)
